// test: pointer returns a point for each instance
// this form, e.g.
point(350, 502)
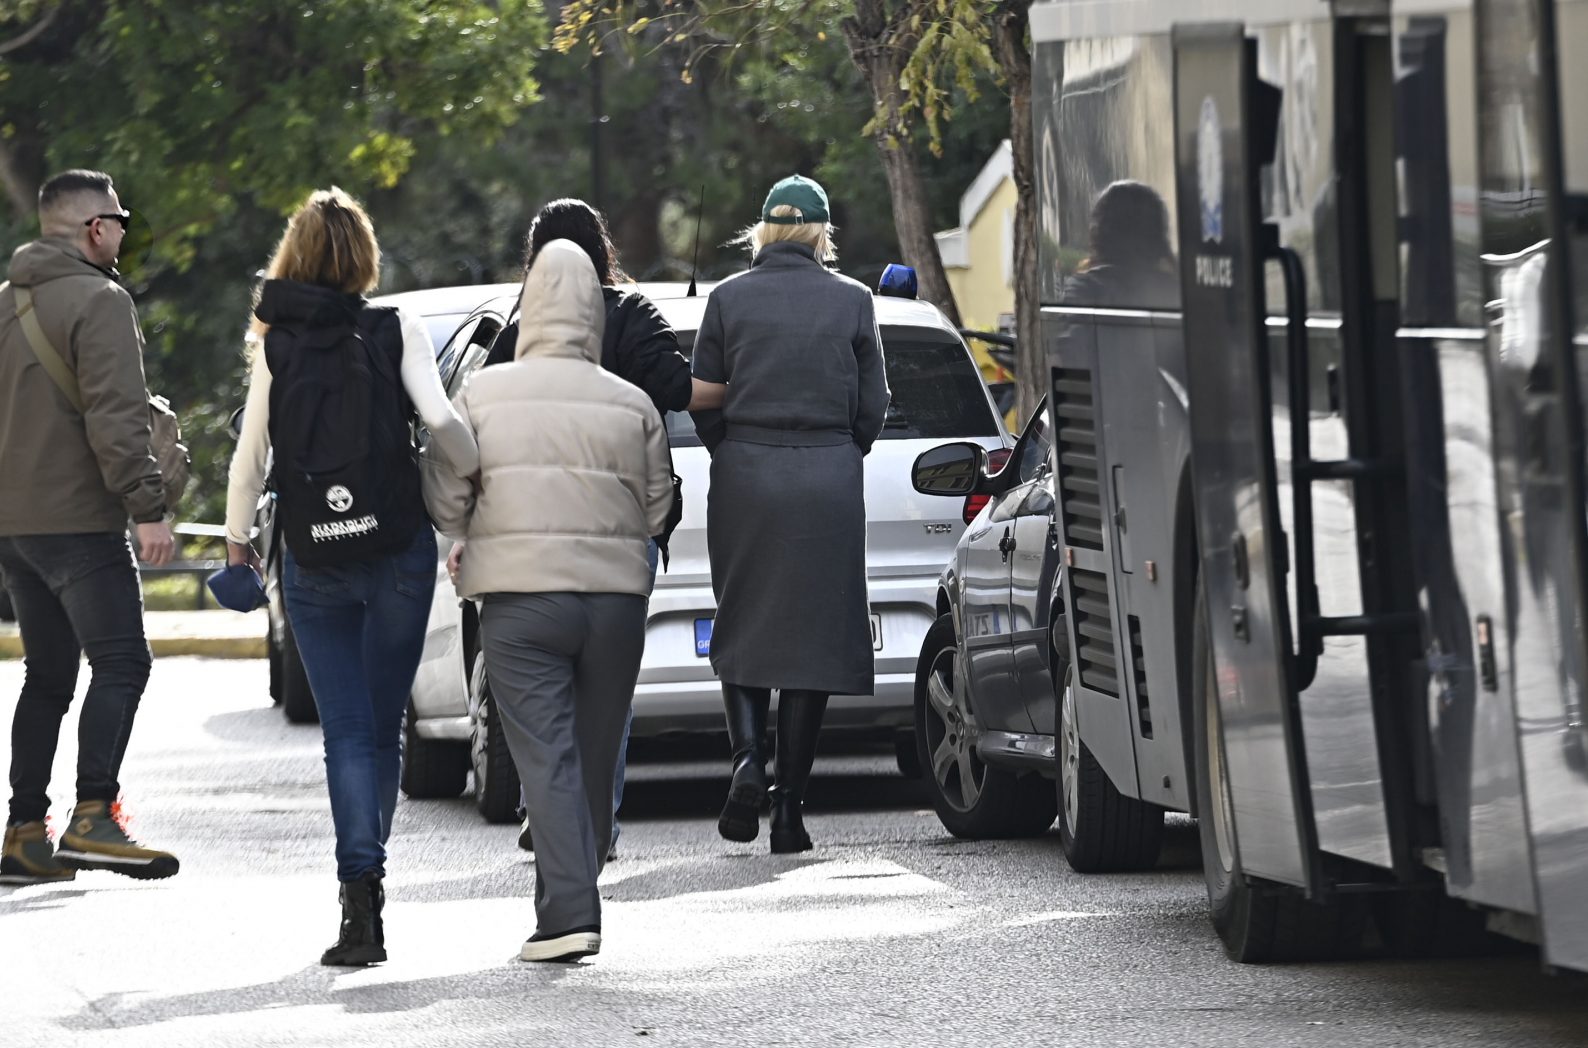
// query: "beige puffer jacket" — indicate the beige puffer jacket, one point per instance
point(575, 470)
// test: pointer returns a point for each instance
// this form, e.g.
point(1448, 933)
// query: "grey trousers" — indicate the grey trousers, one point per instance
point(562, 668)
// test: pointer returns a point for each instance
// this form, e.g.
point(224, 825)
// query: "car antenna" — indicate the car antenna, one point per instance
point(694, 264)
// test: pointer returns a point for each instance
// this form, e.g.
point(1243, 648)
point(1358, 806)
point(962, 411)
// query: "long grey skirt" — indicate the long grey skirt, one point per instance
point(786, 531)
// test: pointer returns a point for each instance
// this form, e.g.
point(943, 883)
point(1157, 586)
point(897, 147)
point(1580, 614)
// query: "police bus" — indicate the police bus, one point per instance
point(1315, 301)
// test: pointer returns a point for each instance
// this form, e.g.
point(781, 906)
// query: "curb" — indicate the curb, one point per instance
point(168, 647)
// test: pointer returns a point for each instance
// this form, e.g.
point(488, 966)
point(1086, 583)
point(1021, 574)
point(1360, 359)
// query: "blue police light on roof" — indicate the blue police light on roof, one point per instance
point(897, 281)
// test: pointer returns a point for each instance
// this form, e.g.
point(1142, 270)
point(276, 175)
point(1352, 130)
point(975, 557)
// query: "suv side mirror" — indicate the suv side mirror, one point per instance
point(950, 469)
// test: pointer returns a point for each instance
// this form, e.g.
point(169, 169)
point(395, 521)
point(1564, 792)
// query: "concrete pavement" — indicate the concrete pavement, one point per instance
point(891, 933)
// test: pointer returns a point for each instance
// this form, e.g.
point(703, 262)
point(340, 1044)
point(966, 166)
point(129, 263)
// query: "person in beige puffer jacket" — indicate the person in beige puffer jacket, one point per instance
point(575, 478)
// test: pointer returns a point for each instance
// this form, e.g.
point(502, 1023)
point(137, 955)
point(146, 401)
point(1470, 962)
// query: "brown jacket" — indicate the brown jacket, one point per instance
point(60, 471)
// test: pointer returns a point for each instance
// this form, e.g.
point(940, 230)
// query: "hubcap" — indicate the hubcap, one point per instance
point(951, 736)
point(1223, 813)
point(1070, 756)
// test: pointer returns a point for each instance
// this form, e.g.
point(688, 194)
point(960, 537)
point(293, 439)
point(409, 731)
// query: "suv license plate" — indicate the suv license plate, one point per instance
point(703, 635)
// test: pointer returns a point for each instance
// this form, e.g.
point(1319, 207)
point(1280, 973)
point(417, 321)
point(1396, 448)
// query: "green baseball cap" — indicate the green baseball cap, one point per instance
point(799, 192)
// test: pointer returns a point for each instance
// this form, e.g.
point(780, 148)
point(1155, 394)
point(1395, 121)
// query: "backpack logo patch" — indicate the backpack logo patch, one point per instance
point(339, 498)
point(344, 529)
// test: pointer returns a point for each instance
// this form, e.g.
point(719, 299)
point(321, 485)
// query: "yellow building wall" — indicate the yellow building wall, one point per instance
point(981, 290)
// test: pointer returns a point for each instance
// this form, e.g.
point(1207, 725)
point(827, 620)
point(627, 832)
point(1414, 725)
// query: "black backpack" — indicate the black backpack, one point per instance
point(346, 471)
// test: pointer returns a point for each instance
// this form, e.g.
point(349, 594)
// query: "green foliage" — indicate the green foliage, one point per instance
point(949, 43)
point(200, 107)
point(217, 117)
point(454, 125)
point(953, 55)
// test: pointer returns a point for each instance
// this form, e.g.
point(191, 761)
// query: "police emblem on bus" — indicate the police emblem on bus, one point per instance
point(339, 498)
point(1210, 171)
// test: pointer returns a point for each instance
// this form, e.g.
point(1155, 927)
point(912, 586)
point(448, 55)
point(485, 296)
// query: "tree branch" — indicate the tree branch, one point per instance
point(32, 33)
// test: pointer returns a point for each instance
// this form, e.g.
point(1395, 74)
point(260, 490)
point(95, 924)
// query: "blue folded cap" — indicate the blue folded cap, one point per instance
point(238, 587)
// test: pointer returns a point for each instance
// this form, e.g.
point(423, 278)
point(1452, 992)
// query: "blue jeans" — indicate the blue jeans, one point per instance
point(361, 630)
point(74, 595)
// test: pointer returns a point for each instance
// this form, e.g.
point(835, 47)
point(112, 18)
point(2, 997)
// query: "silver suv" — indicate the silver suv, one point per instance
point(938, 394)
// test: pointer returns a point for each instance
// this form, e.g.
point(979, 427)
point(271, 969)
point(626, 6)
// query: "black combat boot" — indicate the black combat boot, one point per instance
point(746, 713)
point(363, 938)
point(799, 725)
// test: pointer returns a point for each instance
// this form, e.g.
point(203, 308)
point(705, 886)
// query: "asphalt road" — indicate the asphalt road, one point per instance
point(890, 933)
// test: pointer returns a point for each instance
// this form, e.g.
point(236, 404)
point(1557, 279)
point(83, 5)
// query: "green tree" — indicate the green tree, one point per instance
point(881, 35)
point(216, 117)
point(202, 106)
point(920, 60)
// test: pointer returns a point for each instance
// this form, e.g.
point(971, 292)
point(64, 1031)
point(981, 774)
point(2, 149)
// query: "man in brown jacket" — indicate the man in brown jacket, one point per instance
point(69, 481)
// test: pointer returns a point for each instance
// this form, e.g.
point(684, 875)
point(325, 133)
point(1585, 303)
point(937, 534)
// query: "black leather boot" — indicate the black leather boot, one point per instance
point(363, 938)
point(799, 726)
point(746, 713)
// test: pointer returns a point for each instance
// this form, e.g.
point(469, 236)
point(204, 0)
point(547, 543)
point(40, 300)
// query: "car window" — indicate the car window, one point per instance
point(1036, 442)
point(447, 359)
point(441, 328)
point(937, 391)
point(467, 352)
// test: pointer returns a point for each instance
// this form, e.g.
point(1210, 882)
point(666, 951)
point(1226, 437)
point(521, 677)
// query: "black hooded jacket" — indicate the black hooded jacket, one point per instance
point(638, 346)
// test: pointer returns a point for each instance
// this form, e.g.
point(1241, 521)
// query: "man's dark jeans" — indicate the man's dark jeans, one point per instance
point(74, 595)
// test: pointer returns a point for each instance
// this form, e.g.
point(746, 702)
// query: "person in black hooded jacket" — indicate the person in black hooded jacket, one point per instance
point(638, 345)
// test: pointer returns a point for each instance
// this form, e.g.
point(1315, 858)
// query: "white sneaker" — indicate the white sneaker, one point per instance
point(569, 946)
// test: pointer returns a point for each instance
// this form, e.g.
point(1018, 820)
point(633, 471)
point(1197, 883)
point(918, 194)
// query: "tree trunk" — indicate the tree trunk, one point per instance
point(1014, 56)
point(912, 221)
point(20, 184)
point(880, 45)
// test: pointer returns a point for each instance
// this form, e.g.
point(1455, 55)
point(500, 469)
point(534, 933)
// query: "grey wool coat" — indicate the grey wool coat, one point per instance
point(786, 515)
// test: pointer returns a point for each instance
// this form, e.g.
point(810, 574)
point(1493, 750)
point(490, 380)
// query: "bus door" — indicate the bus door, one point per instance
point(1220, 110)
point(1284, 156)
point(1531, 134)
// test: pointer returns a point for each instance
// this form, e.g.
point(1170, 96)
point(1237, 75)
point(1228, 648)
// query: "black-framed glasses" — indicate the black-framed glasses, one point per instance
point(124, 217)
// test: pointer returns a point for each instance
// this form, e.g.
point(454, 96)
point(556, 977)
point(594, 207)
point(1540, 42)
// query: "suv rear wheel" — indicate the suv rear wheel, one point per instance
point(495, 777)
point(973, 798)
point(297, 699)
point(433, 769)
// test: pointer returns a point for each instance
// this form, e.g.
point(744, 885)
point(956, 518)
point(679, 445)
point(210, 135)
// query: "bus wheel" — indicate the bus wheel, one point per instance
point(1100, 829)
point(1256, 925)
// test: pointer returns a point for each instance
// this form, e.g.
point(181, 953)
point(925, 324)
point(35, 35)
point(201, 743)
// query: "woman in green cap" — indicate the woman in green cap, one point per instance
point(796, 347)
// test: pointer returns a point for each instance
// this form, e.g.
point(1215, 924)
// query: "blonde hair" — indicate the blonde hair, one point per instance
point(818, 236)
point(329, 241)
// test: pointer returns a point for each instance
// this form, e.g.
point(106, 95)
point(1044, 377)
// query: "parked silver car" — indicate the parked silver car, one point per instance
point(984, 693)
point(938, 394)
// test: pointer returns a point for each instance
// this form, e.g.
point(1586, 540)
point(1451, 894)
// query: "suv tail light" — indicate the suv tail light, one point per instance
point(996, 460)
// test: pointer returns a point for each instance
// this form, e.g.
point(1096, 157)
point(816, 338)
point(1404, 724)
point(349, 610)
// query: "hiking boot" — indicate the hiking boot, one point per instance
point(29, 858)
point(362, 940)
point(562, 946)
point(96, 839)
